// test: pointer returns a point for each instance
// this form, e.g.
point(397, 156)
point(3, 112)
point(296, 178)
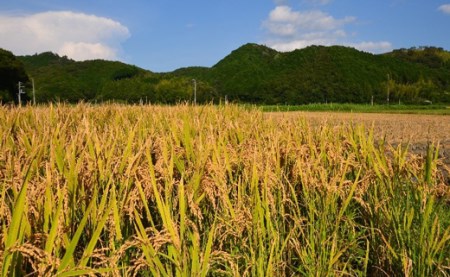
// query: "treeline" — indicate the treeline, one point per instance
point(318, 74)
point(12, 72)
point(250, 74)
point(62, 79)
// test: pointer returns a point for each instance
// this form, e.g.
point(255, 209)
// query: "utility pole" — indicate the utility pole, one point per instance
point(20, 93)
point(34, 93)
point(195, 91)
point(388, 88)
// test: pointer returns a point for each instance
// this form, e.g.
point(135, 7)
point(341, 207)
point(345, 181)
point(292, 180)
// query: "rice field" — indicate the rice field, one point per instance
point(214, 191)
point(413, 130)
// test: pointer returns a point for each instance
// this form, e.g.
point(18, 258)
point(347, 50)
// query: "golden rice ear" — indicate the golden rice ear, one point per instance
point(209, 190)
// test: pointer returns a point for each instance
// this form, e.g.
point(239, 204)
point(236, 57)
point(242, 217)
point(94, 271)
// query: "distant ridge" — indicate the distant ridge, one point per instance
point(256, 74)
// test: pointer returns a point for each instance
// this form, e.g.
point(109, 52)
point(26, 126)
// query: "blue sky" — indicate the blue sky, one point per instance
point(162, 35)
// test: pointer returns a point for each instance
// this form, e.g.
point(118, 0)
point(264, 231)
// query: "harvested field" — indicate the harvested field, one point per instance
point(415, 129)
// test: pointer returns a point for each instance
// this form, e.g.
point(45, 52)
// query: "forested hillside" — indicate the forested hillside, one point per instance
point(254, 74)
point(61, 79)
point(12, 72)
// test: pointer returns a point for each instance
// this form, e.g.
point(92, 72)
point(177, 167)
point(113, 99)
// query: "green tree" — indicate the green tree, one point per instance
point(12, 72)
point(174, 90)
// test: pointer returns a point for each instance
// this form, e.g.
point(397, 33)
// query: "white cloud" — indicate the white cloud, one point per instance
point(286, 46)
point(77, 35)
point(445, 8)
point(373, 47)
point(283, 17)
point(81, 51)
point(366, 46)
point(289, 30)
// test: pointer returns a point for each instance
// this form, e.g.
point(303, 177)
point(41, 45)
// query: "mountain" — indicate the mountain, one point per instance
point(255, 74)
point(60, 78)
point(433, 57)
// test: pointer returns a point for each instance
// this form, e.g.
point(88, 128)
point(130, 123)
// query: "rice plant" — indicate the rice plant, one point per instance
point(213, 191)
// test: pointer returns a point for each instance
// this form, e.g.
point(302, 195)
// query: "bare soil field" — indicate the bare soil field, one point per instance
point(416, 129)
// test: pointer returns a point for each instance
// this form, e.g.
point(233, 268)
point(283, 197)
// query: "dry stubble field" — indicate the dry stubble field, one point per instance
point(416, 129)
